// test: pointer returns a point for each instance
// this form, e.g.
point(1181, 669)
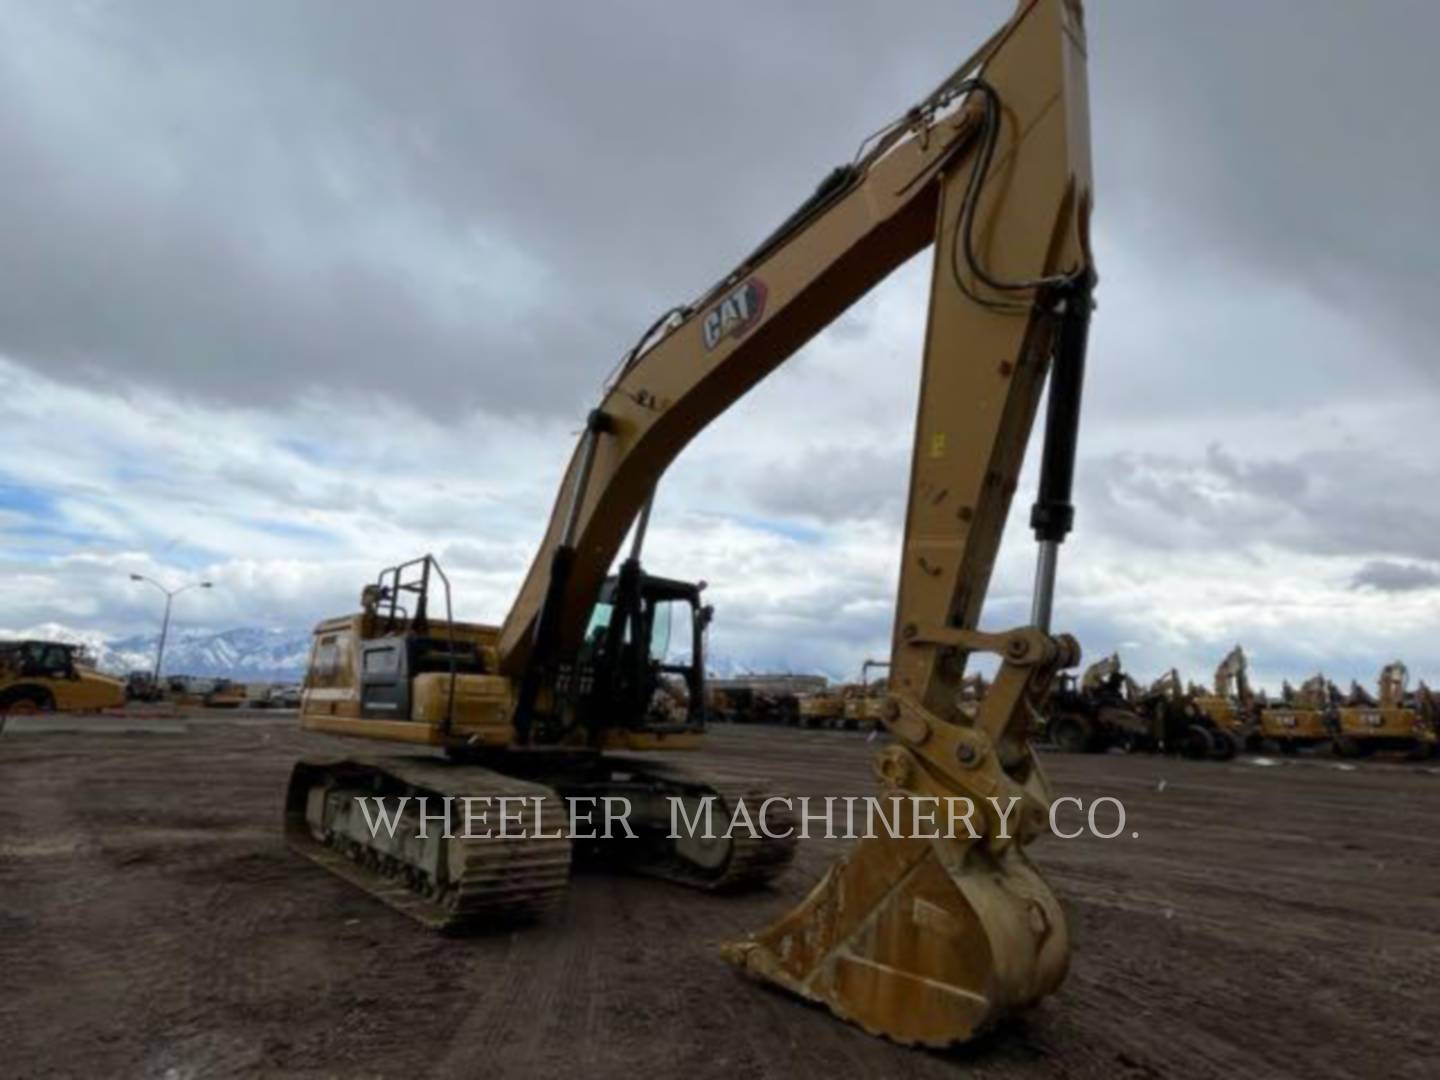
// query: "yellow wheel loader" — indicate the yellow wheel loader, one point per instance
point(48, 676)
point(926, 939)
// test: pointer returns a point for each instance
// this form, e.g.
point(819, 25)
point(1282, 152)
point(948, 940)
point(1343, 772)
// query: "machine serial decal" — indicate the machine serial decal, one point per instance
point(736, 314)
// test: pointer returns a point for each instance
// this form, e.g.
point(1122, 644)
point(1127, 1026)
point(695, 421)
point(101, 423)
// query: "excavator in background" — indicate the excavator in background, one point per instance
point(1395, 720)
point(1108, 710)
point(1231, 704)
point(924, 940)
point(1178, 725)
point(1301, 718)
point(865, 705)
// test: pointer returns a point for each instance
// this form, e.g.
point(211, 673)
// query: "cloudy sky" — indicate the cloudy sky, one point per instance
point(292, 291)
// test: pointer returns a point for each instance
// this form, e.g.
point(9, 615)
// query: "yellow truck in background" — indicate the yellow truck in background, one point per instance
point(52, 676)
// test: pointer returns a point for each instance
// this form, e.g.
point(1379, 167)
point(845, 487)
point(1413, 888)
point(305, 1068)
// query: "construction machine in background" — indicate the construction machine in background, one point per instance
point(226, 694)
point(1301, 718)
point(1230, 705)
point(1395, 720)
point(1096, 712)
point(823, 708)
point(759, 699)
point(1179, 726)
point(187, 691)
point(195, 691)
point(850, 706)
point(50, 676)
point(1427, 704)
point(1106, 709)
point(865, 703)
point(923, 940)
point(141, 686)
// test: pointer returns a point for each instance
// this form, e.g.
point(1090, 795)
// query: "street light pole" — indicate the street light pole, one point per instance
point(170, 595)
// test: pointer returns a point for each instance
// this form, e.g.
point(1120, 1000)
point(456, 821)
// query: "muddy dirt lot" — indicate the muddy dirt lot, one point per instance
point(1268, 921)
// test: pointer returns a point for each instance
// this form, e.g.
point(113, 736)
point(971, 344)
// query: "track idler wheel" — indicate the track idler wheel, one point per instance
point(922, 941)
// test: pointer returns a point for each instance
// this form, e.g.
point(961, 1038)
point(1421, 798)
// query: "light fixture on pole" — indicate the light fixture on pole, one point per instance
point(170, 595)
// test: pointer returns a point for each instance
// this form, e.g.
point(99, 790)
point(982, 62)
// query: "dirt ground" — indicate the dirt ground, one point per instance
point(1279, 920)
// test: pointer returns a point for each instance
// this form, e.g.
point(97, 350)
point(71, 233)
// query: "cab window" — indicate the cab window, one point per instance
point(670, 633)
point(325, 663)
point(599, 621)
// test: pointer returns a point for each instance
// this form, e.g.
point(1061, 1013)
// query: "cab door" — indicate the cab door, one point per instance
point(385, 679)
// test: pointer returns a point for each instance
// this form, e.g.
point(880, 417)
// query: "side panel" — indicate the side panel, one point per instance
point(331, 699)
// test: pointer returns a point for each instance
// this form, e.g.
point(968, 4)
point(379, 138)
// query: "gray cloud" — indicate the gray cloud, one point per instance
point(1278, 480)
point(1362, 502)
point(478, 206)
point(474, 208)
point(1390, 576)
point(1283, 137)
point(835, 485)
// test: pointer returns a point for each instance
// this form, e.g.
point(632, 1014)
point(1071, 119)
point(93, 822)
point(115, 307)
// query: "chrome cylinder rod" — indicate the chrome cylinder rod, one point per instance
point(1044, 599)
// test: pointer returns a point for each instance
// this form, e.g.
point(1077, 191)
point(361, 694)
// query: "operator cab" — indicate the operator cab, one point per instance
point(640, 665)
point(645, 660)
point(39, 659)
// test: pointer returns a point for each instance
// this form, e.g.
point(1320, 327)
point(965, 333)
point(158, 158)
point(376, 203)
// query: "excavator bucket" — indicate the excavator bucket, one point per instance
point(925, 939)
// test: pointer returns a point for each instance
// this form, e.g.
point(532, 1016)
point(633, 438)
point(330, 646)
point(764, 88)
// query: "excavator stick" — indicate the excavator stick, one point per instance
point(930, 938)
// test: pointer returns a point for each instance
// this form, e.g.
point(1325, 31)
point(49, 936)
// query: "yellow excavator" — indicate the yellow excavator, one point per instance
point(923, 940)
point(1301, 718)
point(1230, 704)
point(1396, 720)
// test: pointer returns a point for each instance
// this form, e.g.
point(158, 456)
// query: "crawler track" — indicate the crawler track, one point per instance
point(747, 859)
point(457, 884)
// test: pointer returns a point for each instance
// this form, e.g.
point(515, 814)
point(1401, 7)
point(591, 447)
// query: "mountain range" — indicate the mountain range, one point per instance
point(245, 654)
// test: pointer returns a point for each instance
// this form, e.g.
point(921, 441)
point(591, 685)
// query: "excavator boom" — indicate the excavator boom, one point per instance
point(993, 168)
point(923, 940)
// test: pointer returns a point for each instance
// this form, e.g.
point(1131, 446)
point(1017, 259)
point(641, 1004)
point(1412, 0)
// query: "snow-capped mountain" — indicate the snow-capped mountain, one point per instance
point(722, 666)
point(245, 654)
point(258, 654)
